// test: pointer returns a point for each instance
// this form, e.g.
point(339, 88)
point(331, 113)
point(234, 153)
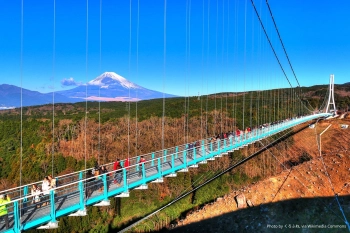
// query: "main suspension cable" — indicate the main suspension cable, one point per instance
point(273, 50)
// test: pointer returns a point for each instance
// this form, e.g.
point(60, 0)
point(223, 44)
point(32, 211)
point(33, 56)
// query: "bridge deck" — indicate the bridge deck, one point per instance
point(79, 189)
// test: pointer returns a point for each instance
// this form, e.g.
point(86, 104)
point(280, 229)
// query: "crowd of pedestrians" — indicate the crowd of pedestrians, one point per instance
point(39, 196)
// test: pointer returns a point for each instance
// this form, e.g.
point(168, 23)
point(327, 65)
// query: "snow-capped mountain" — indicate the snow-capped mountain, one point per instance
point(110, 78)
point(110, 86)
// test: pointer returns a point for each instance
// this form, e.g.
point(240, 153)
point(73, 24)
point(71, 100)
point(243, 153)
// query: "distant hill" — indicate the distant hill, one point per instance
point(10, 96)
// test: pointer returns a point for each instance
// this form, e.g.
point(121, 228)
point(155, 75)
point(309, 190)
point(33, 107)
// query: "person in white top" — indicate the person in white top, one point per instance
point(36, 192)
point(45, 186)
point(52, 182)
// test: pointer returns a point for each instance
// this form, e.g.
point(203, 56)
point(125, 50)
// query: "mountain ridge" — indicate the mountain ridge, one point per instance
point(108, 86)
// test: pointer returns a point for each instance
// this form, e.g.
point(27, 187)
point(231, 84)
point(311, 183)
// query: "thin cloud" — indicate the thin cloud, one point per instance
point(68, 82)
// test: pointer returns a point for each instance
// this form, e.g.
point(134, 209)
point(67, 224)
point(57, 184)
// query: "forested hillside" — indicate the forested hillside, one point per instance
point(107, 130)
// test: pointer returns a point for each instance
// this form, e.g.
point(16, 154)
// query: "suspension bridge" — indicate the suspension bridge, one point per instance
point(77, 190)
point(80, 189)
point(76, 193)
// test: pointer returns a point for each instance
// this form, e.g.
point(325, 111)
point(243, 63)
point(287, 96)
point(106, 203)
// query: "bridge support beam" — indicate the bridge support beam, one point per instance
point(79, 213)
point(103, 203)
point(126, 194)
point(183, 170)
point(159, 180)
point(142, 187)
point(118, 206)
point(49, 225)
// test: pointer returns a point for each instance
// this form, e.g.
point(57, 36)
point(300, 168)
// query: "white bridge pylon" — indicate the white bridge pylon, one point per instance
point(331, 103)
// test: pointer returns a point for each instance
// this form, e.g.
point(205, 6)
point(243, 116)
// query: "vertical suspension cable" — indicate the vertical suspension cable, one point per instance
point(201, 99)
point(86, 77)
point(128, 104)
point(188, 68)
point(185, 104)
point(21, 77)
point(226, 65)
point(207, 100)
point(137, 72)
point(216, 60)
point(185, 76)
point(99, 89)
point(222, 61)
point(259, 117)
point(164, 74)
point(251, 92)
point(245, 57)
point(53, 81)
point(234, 97)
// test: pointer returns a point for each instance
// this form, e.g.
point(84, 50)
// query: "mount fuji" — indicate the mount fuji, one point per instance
point(110, 86)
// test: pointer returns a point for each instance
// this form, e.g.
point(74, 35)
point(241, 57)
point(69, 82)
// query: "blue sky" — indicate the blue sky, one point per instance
point(223, 49)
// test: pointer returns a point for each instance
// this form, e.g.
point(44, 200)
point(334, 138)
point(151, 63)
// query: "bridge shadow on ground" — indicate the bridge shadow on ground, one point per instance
point(296, 215)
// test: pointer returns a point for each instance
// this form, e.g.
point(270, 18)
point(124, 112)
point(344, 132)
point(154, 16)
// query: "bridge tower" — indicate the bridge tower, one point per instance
point(331, 103)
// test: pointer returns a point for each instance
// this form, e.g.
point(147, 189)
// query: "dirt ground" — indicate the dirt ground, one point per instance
point(300, 199)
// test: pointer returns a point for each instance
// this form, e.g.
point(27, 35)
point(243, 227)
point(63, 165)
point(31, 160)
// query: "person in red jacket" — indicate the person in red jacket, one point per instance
point(142, 160)
point(118, 175)
point(238, 132)
point(126, 164)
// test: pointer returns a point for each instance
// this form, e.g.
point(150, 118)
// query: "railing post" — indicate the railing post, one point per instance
point(16, 218)
point(81, 191)
point(159, 168)
point(25, 193)
point(185, 158)
point(152, 163)
point(211, 147)
point(172, 163)
point(105, 186)
point(203, 150)
point(164, 156)
point(52, 206)
point(143, 171)
point(194, 153)
point(125, 179)
point(137, 161)
point(176, 151)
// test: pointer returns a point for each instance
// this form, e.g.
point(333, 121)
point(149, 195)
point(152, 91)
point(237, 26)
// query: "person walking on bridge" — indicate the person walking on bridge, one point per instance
point(4, 199)
point(118, 175)
point(45, 187)
point(142, 161)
